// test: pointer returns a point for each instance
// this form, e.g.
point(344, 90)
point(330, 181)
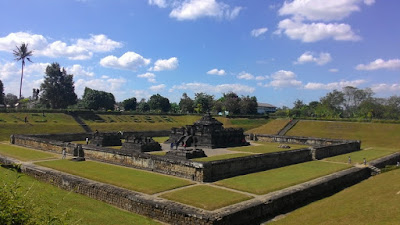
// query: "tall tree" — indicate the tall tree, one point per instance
point(22, 53)
point(1, 93)
point(143, 106)
point(94, 99)
point(158, 102)
point(129, 104)
point(58, 87)
point(11, 100)
point(248, 105)
point(231, 102)
point(203, 102)
point(186, 104)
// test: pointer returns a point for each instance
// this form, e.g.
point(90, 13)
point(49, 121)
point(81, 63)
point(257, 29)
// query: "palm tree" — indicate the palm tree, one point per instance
point(22, 53)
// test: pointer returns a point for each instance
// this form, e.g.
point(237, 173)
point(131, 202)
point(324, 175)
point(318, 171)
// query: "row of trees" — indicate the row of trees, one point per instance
point(351, 102)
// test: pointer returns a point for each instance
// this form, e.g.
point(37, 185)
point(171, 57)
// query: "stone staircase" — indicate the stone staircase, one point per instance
point(288, 126)
point(81, 123)
point(374, 170)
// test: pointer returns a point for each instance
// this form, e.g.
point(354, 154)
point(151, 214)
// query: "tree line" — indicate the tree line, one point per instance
point(350, 102)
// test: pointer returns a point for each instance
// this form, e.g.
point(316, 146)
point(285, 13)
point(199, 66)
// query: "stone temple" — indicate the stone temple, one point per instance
point(208, 133)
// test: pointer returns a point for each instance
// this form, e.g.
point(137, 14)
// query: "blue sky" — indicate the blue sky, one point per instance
point(276, 50)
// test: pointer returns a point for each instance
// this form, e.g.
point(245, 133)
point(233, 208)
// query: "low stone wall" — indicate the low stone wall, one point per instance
point(387, 160)
point(252, 211)
point(199, 171)
point(299, 140)
point(221, 169)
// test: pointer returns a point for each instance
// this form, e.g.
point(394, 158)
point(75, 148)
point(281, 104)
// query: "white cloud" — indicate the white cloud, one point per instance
point(380, 64)
point(283, 78)
point(333, 85)
point(128, 61)
point(333, 70)
point(386, 88)
point(157, 88)
point(258, 32)
point(12, 71)
point(214, 89)
point(8, 70)
point(245, 76)
point(307, 57)
point(78, 70)
point(149, 76)
point(159, 3)
point(194, 9)
point(165, 64)
point(322, 9)
point(82, 49)
point(312, 32)
point(216, 72)
point(108, 85)
point(262, 77)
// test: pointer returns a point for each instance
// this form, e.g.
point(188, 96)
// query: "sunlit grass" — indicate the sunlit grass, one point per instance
point(272, 127)
point(24, 154)
point(267, 147)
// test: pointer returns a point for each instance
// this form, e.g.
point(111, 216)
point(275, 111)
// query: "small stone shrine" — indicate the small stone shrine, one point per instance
point(207, 132)
point(140, 144)
point(186, 153)
point(106, 139)
point(79, 154)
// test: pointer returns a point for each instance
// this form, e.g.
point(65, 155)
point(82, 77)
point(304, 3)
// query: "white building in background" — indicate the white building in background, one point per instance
point(263, 108)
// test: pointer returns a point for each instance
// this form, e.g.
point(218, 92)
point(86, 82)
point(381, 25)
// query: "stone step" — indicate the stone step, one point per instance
point(374, 170)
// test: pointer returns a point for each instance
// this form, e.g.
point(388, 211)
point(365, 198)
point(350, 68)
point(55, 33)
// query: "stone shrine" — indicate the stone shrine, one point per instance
point(140, 144)
point(207, 132)
point(106, 139)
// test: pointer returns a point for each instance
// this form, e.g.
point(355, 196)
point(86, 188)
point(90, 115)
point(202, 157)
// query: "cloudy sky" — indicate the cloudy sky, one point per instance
point(276, 50)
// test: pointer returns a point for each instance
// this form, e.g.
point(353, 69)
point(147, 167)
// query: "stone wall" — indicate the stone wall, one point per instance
point(221, 169)
point(335, 149)
point(299, 140)
point(387, 160)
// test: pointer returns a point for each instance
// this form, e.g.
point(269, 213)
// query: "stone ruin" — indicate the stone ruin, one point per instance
point(186, 153)
point(140, 143)
point(106, 139)
point(207, 132)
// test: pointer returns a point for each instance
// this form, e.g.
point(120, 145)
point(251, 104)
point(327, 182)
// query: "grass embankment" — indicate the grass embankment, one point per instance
point(206, 197)
point(137, 122)
point(160, 139)
point(276, 179)
point(358, 156)
point(133, 179)
point(14, 123)
point(272, 127)
point(81, 209)
point(267, 147)
point(246, 124)
point(373, 201)
point(371, 134)
point(24, 154)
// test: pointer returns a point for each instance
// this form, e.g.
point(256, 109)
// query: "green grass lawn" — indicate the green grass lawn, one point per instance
point(23, 154)
point(246, 124)
point(371, 134)
point(82, 209)
point(276, 179)
point(272, 127)
point(161, 153)
point(133, 179)
point(160, 139)
point(220, 157)
point(267, 147)
point(358, 156)
point(373, 201)
point(206, 197)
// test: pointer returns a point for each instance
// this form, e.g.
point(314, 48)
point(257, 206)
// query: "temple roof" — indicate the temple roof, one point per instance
point(208, 120)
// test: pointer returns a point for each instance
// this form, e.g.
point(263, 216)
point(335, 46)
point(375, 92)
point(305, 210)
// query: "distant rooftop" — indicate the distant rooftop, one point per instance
point(260, 104)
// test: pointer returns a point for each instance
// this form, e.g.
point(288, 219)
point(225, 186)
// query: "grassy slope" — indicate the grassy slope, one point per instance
point(24, 154)
point(374, 201)
point(276, 179)
point(272, 127)
point(358, 156)
point(83, 209)
point(371, 134)
point(206, 197)
point(133, 179)
point(13, 123)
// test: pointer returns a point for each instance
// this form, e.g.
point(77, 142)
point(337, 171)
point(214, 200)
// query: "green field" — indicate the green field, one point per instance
point(160, 139)
point(373, 201)
point(13, 123)
point(370, 134)
point(358, 156)
point(267, 147)
point(272, 127)
point(276, 179)
point(206, 197)
point(133, 179)
point(81, 209)
point(221, 157)
point(24, 154)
